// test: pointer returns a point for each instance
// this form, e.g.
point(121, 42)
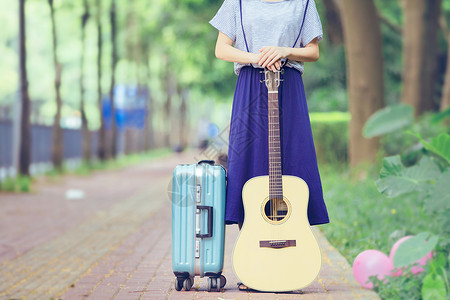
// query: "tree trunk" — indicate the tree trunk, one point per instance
point(101, 151)
point(445, 101)
point(168, 105)
point(334, 25)
point(150, 137)
point(25, 127)
point(364, 74)
point(184, 129)
point(84, 121)
point(420, 53)
point(113, 78)
point(57, 138)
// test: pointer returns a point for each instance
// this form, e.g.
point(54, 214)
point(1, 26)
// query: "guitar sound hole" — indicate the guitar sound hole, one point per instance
point(276, 210)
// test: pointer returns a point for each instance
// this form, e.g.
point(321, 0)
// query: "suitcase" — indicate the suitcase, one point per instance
point(198, 224)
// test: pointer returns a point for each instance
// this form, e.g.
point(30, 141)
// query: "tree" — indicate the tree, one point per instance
point(57, 139)
point(101, 151)
point(84, 121)
point(184, 133)
point(420, 53)
point(169, 86)
point(445, 101)
point(113, 22)
point(25, 127)
point(364, 74)
point(334, 24)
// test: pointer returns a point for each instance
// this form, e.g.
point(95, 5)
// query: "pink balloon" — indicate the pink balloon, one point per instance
point(421, 262)
point(370, 263)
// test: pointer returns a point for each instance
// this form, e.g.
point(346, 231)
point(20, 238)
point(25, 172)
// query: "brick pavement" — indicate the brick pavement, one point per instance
point(115, 243)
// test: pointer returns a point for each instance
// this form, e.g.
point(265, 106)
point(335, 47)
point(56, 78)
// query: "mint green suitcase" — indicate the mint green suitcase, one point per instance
point(198, 224)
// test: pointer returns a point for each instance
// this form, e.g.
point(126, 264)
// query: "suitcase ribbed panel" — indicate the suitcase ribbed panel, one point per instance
point(183, 219)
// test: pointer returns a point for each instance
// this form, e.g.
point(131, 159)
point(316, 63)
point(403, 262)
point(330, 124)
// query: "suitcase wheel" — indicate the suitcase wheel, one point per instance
point(188, 283)
point(179, 283)
point(223, 281)
point(216, 283)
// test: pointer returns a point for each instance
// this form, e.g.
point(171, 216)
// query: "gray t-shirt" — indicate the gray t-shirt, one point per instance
point(268, 24)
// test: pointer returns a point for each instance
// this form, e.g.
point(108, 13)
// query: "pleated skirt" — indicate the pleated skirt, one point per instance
point(248, 140)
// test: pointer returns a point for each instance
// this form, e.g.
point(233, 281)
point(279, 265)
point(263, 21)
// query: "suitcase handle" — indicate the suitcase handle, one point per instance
point(210, 222)
point(205, 161)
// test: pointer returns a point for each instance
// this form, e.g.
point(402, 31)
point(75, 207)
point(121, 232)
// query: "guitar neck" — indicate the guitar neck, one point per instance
point(275, 171)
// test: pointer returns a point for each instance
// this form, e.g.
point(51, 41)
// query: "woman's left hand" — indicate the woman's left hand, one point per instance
point(271, 54)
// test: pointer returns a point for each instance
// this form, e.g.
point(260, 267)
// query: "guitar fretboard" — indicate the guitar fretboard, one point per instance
point(275, 172)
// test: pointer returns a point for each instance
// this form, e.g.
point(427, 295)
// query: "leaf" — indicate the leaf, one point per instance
point(395, 179)
point(388, 119)
point(433, 288)
point(439, 145)
point(439, 198)
point(392, 165)
point(414, 249)
point(440, 116)
point(438, 264)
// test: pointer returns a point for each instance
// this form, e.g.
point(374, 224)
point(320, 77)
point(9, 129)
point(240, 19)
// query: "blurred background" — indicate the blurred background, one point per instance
point(92, 79)
point(84, 82)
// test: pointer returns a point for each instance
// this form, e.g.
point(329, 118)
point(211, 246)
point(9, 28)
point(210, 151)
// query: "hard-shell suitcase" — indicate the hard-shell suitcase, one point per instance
point(198, 224)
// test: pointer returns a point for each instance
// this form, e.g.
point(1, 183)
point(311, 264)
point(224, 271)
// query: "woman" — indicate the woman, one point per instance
point(258, 34)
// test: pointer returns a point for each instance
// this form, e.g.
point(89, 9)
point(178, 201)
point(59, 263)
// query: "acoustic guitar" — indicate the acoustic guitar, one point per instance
point(276, 250)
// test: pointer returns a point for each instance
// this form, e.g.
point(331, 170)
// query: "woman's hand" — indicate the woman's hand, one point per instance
point(271, 55)
point(256, 58)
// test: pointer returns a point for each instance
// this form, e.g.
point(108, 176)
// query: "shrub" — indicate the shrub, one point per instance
point(330, 132)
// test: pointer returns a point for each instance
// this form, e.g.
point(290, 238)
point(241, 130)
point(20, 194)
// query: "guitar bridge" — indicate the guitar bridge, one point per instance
point(277, 244)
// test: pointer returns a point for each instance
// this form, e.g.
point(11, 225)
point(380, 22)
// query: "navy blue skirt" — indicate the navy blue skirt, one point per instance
point(248, 141)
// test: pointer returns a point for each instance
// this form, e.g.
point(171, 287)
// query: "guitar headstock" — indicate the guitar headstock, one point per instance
point(272, 80)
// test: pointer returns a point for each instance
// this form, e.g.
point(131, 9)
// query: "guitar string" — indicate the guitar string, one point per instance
point(275, 184)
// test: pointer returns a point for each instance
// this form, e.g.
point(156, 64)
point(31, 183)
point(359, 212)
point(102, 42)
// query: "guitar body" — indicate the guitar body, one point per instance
point(276, 268)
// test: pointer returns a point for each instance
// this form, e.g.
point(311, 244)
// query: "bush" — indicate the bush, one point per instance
point(20, 183)
point(330, 132)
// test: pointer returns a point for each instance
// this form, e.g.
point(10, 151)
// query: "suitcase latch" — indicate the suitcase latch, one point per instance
point(197, 249)
point(198, 194)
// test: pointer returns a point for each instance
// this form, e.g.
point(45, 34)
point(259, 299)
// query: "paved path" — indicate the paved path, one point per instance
point(115, 243)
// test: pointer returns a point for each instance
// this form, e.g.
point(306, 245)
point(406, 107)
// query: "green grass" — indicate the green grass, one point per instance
point(361, 218)
point(17, 184)
point(122, 161)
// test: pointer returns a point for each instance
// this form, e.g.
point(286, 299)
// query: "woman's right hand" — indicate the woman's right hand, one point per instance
point(256, 57)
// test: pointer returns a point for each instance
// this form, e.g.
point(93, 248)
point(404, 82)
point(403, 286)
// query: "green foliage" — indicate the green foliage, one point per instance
point(433, 288)
point(122, 161)
point(414, 249)
point(325, 80)
point(8, 185)
point(330, 132)
point(436, 284)
point(388, 119)
point(426, 183)
point(396, 142)
point(439, 198)
point(17, 184)
point(428, 285)
point(24, 184)
point(396, 179)
point(402, 287)
point(361, 218)
point(438, 145)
